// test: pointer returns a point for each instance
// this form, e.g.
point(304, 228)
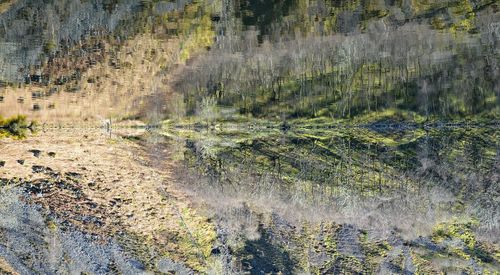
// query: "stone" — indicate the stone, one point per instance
point(35, 152)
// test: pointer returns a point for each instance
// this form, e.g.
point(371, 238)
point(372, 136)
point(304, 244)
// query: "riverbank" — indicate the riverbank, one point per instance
point(106, 186)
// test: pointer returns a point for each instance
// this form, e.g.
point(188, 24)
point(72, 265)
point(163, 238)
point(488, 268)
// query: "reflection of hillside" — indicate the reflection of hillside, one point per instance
point(113, 70)
point(101, 91)
point(288, 18)
point(403, 179)
point(40, 28)
point(410, 70)
point(370, 163)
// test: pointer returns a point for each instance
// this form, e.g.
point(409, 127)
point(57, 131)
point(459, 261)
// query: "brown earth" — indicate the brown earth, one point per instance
point(110, 180)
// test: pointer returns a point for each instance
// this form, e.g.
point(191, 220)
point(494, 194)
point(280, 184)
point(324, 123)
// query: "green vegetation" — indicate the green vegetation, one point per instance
point(15, 126)
point(197, 241)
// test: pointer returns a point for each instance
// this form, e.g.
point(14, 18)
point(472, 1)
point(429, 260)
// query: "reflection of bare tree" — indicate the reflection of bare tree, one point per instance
point(371, 186)
point(410, 67)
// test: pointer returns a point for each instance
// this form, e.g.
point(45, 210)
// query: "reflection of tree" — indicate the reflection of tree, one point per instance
point(346, 76)
point(310, 168)
point(262, 14)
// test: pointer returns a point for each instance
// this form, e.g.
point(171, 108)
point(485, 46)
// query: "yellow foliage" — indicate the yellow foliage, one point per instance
point(197, 239)
point(456, 230)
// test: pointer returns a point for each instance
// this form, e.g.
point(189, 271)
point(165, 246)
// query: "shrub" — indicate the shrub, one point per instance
point(14, 123)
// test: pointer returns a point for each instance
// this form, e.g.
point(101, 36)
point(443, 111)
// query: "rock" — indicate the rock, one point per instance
point(20, 161)
point(215, 251)
point(37, 95)
point(136, 264)
point(35, 152)
point(475, 266)
point(40, 169)
point(318, 258)
point(52, 154)
point(166, 265)
point(408, 266)
point(74, 175)
point(92, 205)
point(2, 163)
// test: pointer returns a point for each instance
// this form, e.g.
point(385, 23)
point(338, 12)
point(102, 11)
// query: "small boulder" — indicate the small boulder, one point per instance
point(20, 161)
point(215, 251)
point(40, 169)
point(2, 163)
point(73, 175)
point(52, 154)
point(35, 152)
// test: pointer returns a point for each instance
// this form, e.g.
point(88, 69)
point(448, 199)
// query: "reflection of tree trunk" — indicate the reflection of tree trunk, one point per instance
point(276, 90)
point(243, 98)
point(380, 180)
point(279, 166)
point(349, 154)
point(349, 87)
point(369, 87)
point(407, 80)
point(362, 80)
point(280, 79)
